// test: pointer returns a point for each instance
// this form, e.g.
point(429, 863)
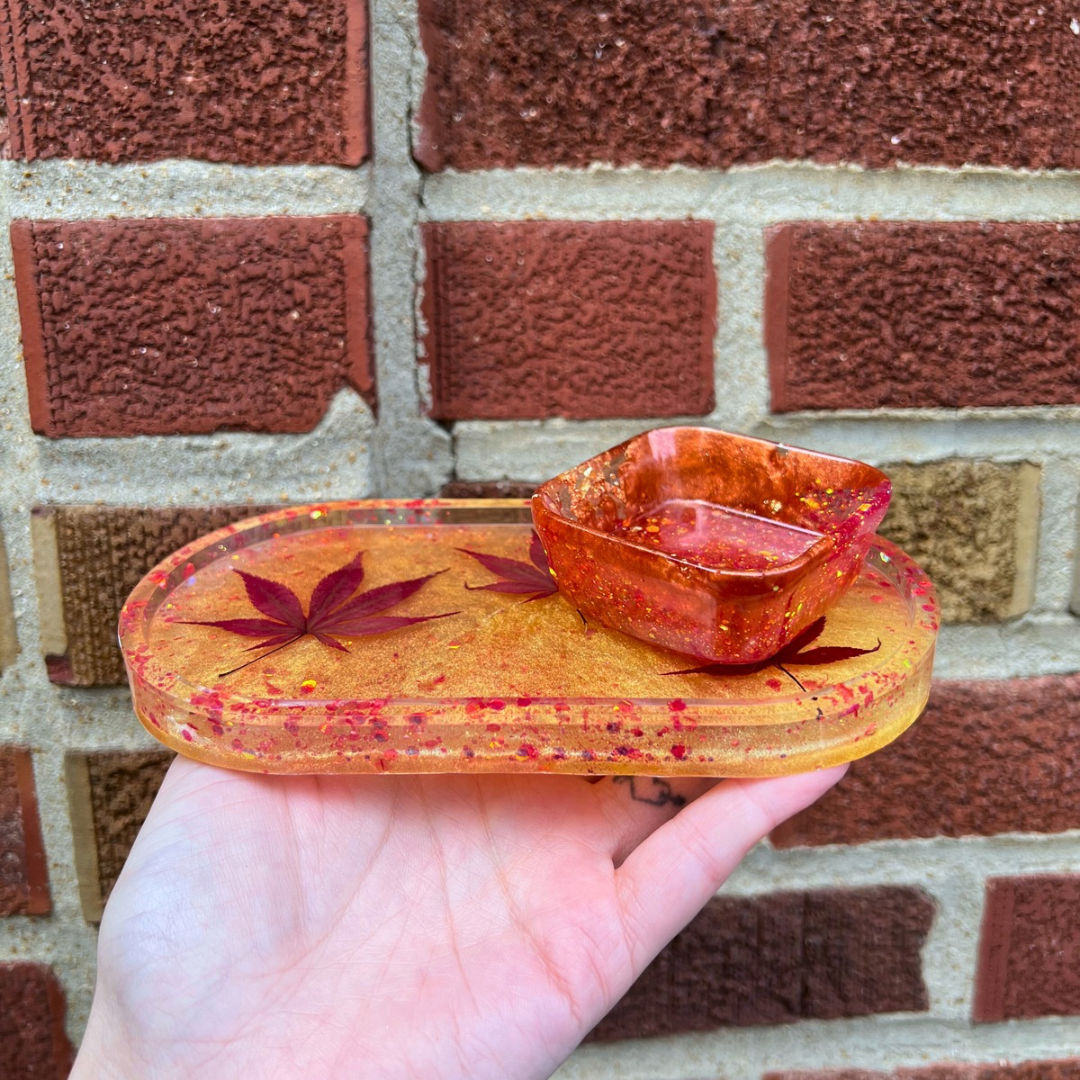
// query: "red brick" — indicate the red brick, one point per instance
point(24, 880)
point(259, 82)
point(987, 757)
point(1028, 949)
point(89, 558)
point(165, 327)
point(781, 958)
point(33, 1044)
point(488, 489)
point(724, 82)
point(1026, 1070)
point(574, 319)
point(916, 314)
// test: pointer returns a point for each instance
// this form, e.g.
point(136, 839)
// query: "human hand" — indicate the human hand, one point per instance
point(441, 927)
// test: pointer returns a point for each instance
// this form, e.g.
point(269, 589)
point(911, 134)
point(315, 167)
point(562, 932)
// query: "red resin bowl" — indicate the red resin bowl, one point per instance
point(712, 544)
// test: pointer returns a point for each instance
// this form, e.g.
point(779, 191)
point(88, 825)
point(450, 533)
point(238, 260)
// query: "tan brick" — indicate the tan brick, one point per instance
point(973, 526)
point(87, 560)
point(109, 796)
point(9, 643)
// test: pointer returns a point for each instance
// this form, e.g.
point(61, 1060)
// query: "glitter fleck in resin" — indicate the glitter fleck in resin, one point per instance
point(504, 681)
point(715, 545)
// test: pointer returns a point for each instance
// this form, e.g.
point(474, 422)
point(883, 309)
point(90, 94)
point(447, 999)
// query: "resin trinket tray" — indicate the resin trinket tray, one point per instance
point(429, 636)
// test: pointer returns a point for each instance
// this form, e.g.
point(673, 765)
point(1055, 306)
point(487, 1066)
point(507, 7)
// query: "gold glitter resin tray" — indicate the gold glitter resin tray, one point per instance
point(428, 636)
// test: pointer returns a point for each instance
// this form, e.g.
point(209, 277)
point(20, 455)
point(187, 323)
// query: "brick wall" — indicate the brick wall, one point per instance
point(236, 272)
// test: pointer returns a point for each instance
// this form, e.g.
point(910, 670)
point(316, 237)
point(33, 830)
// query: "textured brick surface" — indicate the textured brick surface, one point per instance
point(575, 319)
point(987, 757)
point(250, 81)
point(973, 527)
point(914, 314)
point(33, 1045)
point(1024, 1070)
point(721, 82)
point(9, 642)
point(780, 958)
point(1028, 949)
point(110, 794)
point(160, 327)
point(488, 489)
point(24, 883)
point(101, 555)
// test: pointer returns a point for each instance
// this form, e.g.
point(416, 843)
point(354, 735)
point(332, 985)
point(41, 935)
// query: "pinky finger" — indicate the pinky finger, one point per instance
point(670, 877)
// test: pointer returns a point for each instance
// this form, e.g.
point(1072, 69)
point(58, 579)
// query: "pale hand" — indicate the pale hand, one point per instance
point(443, 927)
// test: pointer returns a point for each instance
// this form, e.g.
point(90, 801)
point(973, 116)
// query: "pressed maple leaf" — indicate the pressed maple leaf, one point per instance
point(794, 652)
point(332, 612)
point(533, 581)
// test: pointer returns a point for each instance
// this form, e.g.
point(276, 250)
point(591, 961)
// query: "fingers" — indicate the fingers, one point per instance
point(634, 807)
point(669, 878)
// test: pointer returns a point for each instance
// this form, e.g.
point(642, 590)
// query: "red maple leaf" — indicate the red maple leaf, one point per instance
point(515, 576)
point(332, 612)
point(791, 653)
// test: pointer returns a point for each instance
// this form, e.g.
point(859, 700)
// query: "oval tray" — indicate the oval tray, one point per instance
point(458, 674)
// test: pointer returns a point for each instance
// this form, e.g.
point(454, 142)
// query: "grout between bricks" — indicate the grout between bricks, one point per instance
point(411, 453)
point(75, 190)
point(760, 195)
point(1056, 569)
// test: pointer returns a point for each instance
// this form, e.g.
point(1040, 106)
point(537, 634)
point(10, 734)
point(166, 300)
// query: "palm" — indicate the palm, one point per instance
point(432, 926)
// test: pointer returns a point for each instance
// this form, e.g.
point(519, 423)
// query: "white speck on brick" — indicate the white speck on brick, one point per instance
point(1074, 26)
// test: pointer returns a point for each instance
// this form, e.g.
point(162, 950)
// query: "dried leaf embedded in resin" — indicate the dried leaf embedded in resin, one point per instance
point(792, 653)
point(333, 611)
point(515, 576)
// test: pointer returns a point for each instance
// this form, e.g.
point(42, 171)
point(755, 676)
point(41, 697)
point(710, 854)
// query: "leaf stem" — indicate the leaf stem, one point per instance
point(255, 659)
point(792, 677)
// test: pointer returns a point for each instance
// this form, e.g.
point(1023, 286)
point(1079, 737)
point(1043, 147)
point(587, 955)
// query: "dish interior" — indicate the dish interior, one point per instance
point(716, 537)
point(720, 501)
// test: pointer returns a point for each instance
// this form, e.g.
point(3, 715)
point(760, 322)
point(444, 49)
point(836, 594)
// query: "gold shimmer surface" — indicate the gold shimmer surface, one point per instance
point(427, 636)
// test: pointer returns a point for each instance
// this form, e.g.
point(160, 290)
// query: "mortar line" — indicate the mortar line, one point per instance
point(1057, 571)
point(77, 190)
point(534, 449)
point(411, 454)
point(759, 194)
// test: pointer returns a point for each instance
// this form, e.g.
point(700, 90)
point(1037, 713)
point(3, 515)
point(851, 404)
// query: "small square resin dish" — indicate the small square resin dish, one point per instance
point(712, 544)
